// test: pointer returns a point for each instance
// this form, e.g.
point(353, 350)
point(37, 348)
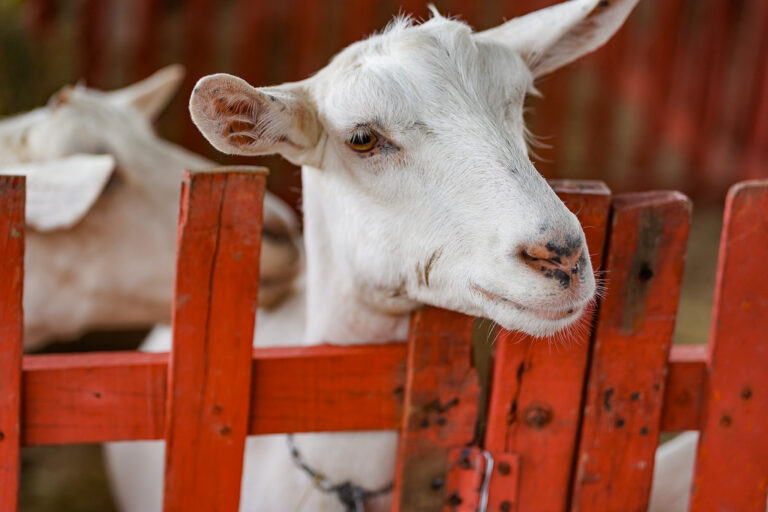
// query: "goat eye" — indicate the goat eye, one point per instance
point(363, 141)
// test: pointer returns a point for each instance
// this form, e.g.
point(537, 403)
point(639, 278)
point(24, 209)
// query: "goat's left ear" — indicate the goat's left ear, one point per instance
point(239, 119)
point(151, 95)
point(552, 37)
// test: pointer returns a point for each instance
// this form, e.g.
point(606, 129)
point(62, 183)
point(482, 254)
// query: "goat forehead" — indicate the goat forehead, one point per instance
point(401, 77)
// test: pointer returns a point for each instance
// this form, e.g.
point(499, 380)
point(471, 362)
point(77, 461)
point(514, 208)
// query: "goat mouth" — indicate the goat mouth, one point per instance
point(553, 315)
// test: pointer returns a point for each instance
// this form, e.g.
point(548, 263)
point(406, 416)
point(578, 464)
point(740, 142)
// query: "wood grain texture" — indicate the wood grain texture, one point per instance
point(440, 407)
point(11, 335)
point(632, 340)
point(536, 388)
point(116, 396)
point(325, 388)
point(89, 398)
point(735, 424)
point(209, 373)
point(120, 396)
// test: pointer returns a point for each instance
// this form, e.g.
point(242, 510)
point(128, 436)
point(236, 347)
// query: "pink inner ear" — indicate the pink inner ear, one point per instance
point(236, 115)
point(237, 107)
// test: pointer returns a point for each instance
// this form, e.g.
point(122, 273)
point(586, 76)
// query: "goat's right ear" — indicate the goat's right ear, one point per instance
point(554, 36)
point(239, 119)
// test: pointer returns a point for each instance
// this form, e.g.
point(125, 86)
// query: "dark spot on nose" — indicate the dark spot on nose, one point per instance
point(563, 277)
point(560, 250)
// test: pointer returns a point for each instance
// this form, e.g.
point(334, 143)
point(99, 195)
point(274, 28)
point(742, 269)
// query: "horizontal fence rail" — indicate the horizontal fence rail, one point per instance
point(120, 396)
point(570, 427)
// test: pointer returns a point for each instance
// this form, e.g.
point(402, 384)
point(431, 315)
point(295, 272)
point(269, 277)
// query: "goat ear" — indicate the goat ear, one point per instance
point(552, 37)
point(242, 120)
point(60, 192)
point(151, 95)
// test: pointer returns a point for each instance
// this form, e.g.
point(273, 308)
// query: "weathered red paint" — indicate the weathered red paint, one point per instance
point(536, 389)
point(732, 462)
point(636, 322)
point(475, 475)
point(11, 335)
point(440, 406)
point(209, 372)
point(121, 396)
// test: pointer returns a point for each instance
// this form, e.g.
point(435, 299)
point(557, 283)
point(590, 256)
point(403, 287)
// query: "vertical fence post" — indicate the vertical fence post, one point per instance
point(439, 409)
point(209, 376)
point(622, 411)
point(11, 335)
point(537, 387)
point(732, 461)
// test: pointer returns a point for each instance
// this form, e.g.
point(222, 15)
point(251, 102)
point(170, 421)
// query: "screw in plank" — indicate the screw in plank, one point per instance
point(538, 416)
point(504, 468)
point(464, 462)
point(2, 435)
point(646, 273)
point(746, 393)
point(436, 484)
point(505, 506)
point(725, 421)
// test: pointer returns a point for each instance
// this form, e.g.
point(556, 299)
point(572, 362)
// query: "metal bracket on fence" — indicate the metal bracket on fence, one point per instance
point(477, 477)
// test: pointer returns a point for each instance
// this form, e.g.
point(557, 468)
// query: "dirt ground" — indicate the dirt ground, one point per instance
point(72, 478)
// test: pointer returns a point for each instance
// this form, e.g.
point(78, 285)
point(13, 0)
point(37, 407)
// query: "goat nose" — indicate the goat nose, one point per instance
point(555, 260)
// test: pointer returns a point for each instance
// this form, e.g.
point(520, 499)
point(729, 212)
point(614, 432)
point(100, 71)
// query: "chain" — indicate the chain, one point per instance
point(352, 496)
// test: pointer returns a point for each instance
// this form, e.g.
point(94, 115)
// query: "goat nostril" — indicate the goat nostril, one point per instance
point(554, 260)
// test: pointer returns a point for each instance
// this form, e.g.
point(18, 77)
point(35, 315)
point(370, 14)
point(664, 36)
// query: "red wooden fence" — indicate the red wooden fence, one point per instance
point(678, 98)
point(569, 426)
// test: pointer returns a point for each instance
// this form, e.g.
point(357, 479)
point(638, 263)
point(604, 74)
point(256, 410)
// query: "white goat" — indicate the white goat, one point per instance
point(102, 206)
point(417, 190)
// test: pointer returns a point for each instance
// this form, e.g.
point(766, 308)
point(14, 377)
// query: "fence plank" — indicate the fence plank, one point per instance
point(209, 374)
point(736, 412)
point(684, 389)
point(440, 407)
point(536, 389)
point(633, 336)
point(11, 334)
